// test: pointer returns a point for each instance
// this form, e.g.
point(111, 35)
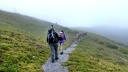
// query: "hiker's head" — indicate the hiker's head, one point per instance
point(62, 31)
point(52, 26)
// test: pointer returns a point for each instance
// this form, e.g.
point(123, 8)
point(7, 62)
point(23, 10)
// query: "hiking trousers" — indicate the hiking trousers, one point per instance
point(54, 50)
point(61, 47)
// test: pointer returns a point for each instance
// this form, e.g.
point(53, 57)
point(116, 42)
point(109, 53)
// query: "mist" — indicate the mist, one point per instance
point(72, 13)
point(115, 33)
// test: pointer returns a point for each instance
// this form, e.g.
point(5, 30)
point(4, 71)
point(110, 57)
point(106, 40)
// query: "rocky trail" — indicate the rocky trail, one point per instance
point(57, 65)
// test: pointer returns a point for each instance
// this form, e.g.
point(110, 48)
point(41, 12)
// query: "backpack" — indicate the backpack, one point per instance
point(61, 36)
point(51, 36)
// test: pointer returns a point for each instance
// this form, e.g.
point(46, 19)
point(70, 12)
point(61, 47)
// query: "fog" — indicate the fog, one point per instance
point(72, 13)
point(118, 34)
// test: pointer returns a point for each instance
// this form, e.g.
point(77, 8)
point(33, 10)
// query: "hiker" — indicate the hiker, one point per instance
point(52, 40)
point(62, 38)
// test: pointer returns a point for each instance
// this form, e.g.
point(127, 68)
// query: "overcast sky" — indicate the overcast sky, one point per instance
point(72, 12)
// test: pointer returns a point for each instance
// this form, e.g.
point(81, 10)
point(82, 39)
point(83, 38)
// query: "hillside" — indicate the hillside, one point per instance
point(23, 46)
point(95, 53)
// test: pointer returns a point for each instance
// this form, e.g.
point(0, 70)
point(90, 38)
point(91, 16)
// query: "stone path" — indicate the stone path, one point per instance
point(56, 66)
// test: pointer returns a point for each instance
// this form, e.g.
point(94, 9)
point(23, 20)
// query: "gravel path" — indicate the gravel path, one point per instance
point(56, 66)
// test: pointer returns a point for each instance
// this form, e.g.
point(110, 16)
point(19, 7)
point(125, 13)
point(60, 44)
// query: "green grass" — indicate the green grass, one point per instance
point(20, 53)
point(23, 46)
point(93, 55)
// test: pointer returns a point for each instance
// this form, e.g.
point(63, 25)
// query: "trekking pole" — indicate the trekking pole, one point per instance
point(52, 31)
point(52, 27)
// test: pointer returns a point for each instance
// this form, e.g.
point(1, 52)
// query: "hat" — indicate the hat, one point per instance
point(60, 32)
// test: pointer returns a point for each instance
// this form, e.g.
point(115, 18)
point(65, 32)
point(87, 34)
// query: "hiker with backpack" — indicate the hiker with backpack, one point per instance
point(62, 38)
point(52, 40)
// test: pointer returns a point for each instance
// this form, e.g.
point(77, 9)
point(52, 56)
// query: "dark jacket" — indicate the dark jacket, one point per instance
point(56, 37)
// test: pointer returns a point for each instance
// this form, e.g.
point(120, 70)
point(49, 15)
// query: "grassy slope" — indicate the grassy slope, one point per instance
point(93, 54)
point(23, 44)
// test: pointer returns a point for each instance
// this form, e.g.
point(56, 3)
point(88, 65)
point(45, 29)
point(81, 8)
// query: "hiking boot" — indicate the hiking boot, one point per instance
point(52, 60)
point(61, 53)
point(56, 58)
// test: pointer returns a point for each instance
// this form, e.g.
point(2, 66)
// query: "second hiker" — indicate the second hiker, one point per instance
point(62, 38)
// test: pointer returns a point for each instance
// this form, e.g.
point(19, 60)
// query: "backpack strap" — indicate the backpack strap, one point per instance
point(52, 34)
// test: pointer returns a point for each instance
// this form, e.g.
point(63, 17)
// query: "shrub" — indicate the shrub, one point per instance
point(112, 46)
